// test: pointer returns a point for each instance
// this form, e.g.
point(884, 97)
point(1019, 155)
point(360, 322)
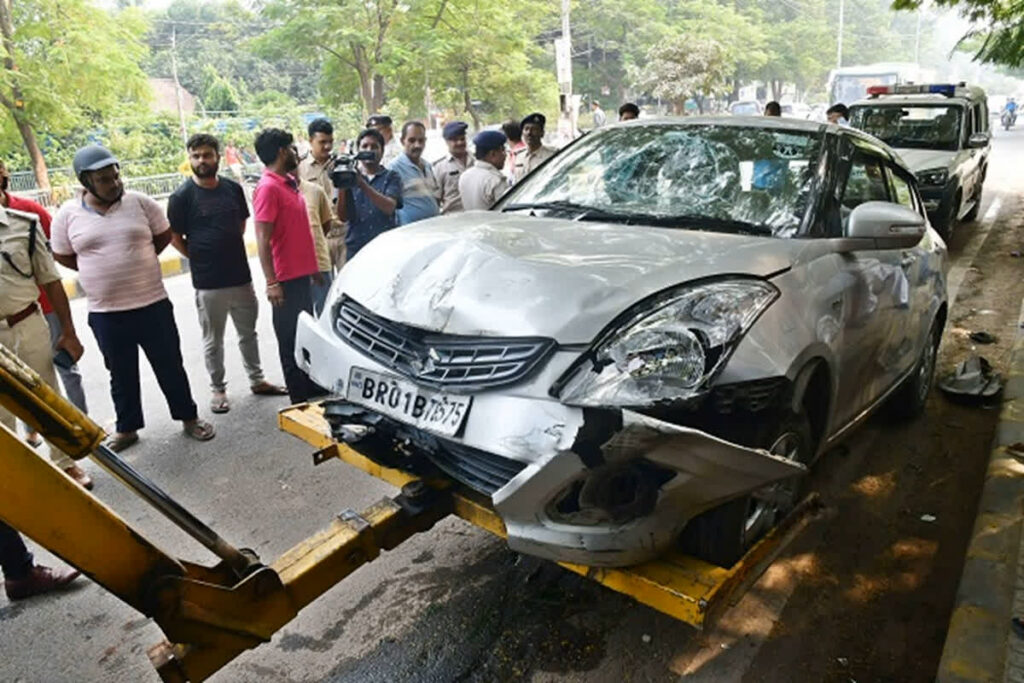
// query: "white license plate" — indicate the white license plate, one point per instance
point(401, 399)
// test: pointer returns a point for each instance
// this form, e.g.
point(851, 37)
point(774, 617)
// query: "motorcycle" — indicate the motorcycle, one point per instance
point(1008, 119)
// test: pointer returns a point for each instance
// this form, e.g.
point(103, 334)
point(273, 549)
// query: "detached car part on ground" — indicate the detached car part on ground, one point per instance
point(649, 339)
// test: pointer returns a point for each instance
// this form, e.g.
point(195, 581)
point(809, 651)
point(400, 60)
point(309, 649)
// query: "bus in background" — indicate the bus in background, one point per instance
point(850, 83)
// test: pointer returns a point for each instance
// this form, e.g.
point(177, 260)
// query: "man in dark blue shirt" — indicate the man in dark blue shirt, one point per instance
point(371, 205)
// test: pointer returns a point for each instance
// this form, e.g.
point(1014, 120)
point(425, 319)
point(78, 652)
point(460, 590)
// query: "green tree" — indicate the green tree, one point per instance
point(65, 63)
point(218, 93)
point(1001, 41)
point(677, 70)
point(353, 39)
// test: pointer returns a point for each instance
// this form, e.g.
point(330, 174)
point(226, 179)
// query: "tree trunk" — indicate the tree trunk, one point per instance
point(468, 101)
point(776, 90)
point(735, 94)
point(28, 136)
point(14, 102)
point(378, 92)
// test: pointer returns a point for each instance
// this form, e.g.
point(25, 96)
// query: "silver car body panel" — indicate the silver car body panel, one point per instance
point(864, 313)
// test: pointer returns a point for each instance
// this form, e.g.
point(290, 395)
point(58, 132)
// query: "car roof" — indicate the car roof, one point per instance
point(780, 123)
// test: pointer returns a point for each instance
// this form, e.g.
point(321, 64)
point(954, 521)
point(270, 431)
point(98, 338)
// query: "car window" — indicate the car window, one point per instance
point(865, 183)
point(917, 126)
point(902, 192)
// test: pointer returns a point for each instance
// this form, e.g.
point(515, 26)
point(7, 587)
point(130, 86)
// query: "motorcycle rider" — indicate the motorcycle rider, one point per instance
point(1010, 110)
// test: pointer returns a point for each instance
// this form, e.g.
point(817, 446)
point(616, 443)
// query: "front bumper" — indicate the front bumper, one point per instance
point(602, 488)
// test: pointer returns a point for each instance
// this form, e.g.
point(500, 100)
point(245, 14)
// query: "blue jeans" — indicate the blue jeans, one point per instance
point(119, 335)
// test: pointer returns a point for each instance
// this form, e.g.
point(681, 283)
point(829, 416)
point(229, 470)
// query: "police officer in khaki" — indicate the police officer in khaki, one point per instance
point(535, 152)
point(483, 183)
point(25, 262)
point(449, 169)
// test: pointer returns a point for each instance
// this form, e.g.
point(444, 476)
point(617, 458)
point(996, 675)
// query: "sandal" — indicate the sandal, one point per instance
point(119, 442)
point(265, 388)
point(219, 402)
point(200, 430)
point(33, 439)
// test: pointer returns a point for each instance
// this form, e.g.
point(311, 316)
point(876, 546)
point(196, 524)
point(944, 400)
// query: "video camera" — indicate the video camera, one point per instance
point(343, 174)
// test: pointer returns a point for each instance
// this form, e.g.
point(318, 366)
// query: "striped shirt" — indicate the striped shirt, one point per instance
point(118, 267)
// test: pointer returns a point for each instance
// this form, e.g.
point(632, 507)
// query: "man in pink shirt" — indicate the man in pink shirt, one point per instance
point(112, 238)
point(286, 250)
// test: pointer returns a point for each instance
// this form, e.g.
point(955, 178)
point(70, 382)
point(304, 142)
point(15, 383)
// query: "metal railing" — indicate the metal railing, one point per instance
point(156, 186)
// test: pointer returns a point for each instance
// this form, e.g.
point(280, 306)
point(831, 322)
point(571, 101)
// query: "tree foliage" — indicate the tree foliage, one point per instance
point(678, 70)
point(66, 63)
point(1002, 39)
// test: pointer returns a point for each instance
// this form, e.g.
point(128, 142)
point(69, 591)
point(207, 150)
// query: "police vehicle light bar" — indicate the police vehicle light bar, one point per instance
point(947, 89)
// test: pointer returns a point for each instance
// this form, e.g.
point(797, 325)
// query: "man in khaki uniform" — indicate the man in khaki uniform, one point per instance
point(448, 170)
point(318, 208)
point(536, 152)
point(316, 167)
point(26, 265)
point(483, 183)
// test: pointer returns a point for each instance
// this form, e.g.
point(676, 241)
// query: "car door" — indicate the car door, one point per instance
point(912, 301)
point(874, 286)
point(967, 159)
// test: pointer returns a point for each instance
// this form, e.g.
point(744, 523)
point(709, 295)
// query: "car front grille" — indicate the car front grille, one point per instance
point(439, 360)
point(482, 471)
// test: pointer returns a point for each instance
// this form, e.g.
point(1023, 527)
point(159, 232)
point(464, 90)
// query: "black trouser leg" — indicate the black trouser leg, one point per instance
point(297, 298)
point(15, 559)
point(159, 339)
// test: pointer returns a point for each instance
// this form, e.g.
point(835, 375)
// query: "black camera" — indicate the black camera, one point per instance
point(343, 174)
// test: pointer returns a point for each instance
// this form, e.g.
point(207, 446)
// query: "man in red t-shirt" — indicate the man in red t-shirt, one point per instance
point(70, 376)
point(286, 251)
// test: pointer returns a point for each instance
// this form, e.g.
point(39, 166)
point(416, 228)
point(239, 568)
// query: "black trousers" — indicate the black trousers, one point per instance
point(119, 335)
point(298, 297)
point(15, 559)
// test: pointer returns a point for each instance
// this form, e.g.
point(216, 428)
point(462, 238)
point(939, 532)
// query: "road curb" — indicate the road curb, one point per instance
point(980, 644)
point(170, 264)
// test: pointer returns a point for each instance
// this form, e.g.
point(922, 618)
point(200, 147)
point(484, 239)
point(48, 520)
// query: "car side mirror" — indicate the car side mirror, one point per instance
point(886, 225)
point(978, 140)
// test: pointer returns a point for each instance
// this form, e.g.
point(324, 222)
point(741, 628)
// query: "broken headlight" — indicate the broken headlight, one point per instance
point(671, 348)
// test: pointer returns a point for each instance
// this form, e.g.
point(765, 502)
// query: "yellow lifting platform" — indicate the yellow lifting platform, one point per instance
point(681, 586)
point(211, 614)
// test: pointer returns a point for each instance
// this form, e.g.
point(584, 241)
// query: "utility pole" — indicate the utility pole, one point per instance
point(839, 38)
point(177, 85)
point(563, 67)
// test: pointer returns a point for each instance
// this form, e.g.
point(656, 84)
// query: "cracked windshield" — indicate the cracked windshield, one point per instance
point(727, 178)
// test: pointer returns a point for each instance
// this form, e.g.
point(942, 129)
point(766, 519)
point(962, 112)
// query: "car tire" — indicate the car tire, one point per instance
point(946, 220)
point(910, 399)
point(724, 534)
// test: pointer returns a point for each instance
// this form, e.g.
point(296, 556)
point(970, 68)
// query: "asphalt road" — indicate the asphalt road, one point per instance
point(452, 604)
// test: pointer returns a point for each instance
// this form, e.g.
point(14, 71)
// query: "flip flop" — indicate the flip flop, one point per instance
point(219, 403)
point(265, 388)
point(120, 442)
point(200, 430)
point(34, 440)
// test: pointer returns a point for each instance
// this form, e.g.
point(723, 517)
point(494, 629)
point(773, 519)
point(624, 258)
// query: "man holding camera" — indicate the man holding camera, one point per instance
point(371, 200)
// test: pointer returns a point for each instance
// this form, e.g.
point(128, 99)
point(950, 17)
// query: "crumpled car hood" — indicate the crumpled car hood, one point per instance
point(487, 273)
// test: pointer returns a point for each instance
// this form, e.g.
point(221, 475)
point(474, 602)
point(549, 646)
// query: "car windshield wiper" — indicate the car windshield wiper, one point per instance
point(718, 224)
point(592, 213)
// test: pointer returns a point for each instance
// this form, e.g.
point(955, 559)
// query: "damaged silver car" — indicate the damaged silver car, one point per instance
point(647, 341)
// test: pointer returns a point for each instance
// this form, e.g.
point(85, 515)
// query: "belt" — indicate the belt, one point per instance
point(13, 320)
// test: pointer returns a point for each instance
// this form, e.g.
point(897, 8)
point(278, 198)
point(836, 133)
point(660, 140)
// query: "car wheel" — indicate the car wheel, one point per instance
point(724, 534)
point(910, 399)
point(945, 221)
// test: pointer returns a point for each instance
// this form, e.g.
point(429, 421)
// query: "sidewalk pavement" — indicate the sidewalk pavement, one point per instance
point(171, 263)
point(981, 644)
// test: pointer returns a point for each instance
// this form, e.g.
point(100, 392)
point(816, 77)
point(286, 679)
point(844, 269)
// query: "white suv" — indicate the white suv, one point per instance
point(942, 133)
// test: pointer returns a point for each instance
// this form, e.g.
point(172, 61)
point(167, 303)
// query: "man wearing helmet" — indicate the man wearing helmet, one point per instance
point(112, 238)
